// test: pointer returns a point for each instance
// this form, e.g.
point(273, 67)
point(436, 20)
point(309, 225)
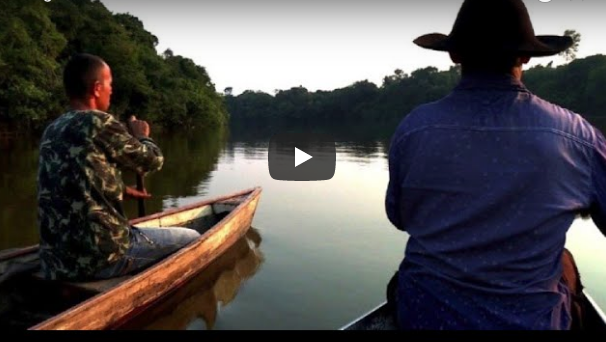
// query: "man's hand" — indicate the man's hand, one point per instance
point(138, 128)
point(131, 192)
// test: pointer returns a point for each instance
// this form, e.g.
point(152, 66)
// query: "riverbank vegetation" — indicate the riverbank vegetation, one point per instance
point(37, 38)
point(577, 85)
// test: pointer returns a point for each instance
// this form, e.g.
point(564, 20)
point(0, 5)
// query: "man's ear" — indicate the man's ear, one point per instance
point(97, 89)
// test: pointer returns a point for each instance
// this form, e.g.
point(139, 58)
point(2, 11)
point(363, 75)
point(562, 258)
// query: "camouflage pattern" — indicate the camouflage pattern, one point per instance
point(81, 220)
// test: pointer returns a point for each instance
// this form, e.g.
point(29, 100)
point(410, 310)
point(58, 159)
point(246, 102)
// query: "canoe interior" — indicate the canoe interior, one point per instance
point(27, 299)
point(201, 218)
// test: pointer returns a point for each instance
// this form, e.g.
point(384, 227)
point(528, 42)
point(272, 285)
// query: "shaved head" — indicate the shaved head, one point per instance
point(81, 73)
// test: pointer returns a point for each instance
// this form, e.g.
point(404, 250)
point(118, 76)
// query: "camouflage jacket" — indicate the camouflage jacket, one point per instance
point(81, 220)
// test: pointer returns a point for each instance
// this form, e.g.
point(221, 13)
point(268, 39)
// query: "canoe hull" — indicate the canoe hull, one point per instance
point(116, 305)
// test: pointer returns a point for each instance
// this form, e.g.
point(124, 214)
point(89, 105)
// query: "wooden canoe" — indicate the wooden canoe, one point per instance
point(198, 304)
point(109, 303)
point(382, 318)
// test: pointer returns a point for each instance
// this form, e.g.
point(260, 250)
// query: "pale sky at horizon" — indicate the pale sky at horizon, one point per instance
point(266, 45)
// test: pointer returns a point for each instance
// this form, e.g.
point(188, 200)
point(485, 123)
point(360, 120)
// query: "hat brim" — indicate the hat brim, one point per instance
point(543, 45)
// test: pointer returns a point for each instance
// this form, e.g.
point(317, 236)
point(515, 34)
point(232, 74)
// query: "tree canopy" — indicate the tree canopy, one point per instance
point(576, 85)
point(571, 53)
point(37, 38)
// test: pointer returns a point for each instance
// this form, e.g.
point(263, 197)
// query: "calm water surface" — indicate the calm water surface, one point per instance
point(321, 252)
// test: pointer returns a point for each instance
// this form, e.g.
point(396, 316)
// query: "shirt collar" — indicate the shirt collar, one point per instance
point(477, 81)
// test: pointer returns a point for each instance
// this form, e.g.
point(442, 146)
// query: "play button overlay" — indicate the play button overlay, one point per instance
point(301, 157)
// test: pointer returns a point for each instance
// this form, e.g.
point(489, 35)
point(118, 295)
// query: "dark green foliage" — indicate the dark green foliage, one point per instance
point(360, 101)
point(37, 38)
point(577, 86)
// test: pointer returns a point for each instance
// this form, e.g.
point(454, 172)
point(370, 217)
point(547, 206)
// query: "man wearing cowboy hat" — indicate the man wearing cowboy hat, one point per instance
point(487, 181)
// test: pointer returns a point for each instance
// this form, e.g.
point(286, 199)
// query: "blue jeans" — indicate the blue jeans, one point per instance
point(149, 245)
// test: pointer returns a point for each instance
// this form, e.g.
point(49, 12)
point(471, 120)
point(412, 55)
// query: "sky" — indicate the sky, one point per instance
point(269, 45)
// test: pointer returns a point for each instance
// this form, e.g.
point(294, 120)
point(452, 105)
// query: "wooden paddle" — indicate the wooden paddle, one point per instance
point(140, 184)
point(141, 201)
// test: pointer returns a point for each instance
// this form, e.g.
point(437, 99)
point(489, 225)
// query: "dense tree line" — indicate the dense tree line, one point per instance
point(38, 37)
point(577, 85)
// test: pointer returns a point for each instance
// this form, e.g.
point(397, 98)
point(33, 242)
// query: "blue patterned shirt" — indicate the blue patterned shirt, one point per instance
point(486, 182)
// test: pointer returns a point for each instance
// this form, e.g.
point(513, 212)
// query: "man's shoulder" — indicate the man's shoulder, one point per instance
point(90, 115)
point(99, 117)
point(550, 107)
point(565, 120)
point(419, 116)
point(75, 124)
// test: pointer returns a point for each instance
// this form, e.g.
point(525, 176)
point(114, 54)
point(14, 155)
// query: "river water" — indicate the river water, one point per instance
point(322, 252)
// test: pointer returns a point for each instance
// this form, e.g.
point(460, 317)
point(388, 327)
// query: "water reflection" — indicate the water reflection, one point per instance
point(329, 244)
point(362, 154)
point(358, 143)
point(189, 161)
point(197, 305)
point(18, 168)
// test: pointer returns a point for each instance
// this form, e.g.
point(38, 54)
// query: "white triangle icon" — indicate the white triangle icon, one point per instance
point(301, 157)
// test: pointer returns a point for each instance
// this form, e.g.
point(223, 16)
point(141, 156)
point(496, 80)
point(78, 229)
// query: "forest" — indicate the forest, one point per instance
point(577, 85)
point(37, 38)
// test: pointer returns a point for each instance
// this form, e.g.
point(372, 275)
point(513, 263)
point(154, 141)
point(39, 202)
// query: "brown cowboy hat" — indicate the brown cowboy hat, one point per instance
point(495, 26)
